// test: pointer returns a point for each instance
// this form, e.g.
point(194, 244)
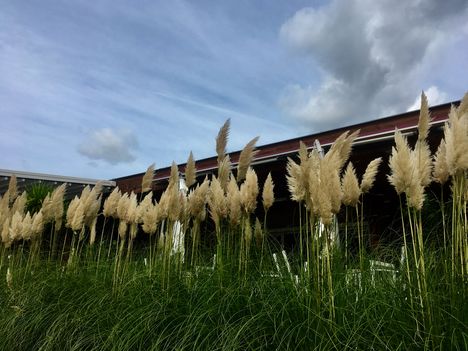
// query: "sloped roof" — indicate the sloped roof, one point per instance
point(27, 179)
point(370, 131)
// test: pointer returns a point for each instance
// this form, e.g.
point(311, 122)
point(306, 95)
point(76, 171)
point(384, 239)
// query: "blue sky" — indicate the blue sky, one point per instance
point(102, 89)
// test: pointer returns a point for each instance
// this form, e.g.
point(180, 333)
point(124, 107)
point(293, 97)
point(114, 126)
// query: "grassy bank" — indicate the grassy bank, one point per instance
point(52, 307)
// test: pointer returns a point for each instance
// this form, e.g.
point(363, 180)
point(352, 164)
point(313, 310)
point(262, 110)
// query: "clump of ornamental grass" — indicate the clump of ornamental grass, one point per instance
point(218, 208)
point(127, 209)
point(410, 174)
point(456, 163)
point(109, 211)
point(196, 202)
point(132, 223)
point(248, 198)
point(56, 213)
point(351, 194)
point(36, 195)
point(172, 212)
point(268, 198)
point(367, 182)
point(315, 183)
point(75, 221)
point(234, 202)
point(450, 166)
point(82, 213)
point(150, 219)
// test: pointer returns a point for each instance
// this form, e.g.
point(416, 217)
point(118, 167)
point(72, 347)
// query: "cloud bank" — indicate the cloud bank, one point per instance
point(110, 146)
point(374, 56)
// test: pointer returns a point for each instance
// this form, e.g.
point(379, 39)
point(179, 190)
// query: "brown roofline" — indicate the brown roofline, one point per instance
point(361, 126)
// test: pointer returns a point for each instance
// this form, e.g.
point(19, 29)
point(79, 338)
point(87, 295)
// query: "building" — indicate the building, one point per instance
point(375, 140)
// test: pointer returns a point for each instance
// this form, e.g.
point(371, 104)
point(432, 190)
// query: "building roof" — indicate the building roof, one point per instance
point(370, 131)
point(27, 179)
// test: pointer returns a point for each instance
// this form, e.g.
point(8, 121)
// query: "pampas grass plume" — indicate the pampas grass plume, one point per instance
point(368, 178)
point(183, 207)
point(4, 206)
point(27, 227)
point(268, 196)
point(249, 191)
point(313, 179)
point(37, 224)
point(70, 211)
point(78, 217)
point(91, 206)
point(122, 206)
point(57, 205)
point(221, 140)
point(144, 206)
point(440, 170)
point(20, 203)
point(424, 118)
point(12, 188)
point(330, 181)
point(224, 169)
point(456, 138)
point(400, 164)
point(132, 206)
point(217, 201)
point(173, 209)
point(6, 232)
point(416, 196)
point(341, 149)
point(350, 185)
point(150, 219)
point(197, 200)
point(16, 226)
point(174, 176)
point(294, 179)
point(422, 157)
point(234, 202)
point(245, 159)
point(303, 154)
point(110, 204)
point(47, 209)
point(324, 206)
point(463, 107)
point(190, 171)
point(147, 179)
point(164, 204)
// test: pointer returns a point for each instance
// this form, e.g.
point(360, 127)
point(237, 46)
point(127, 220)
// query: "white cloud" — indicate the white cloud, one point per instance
point(110, 146)
point(374, 56)
point(434, 97)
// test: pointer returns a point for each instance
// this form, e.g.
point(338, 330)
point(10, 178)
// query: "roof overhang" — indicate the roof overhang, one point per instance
point(373, 131)
point(26, 179)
